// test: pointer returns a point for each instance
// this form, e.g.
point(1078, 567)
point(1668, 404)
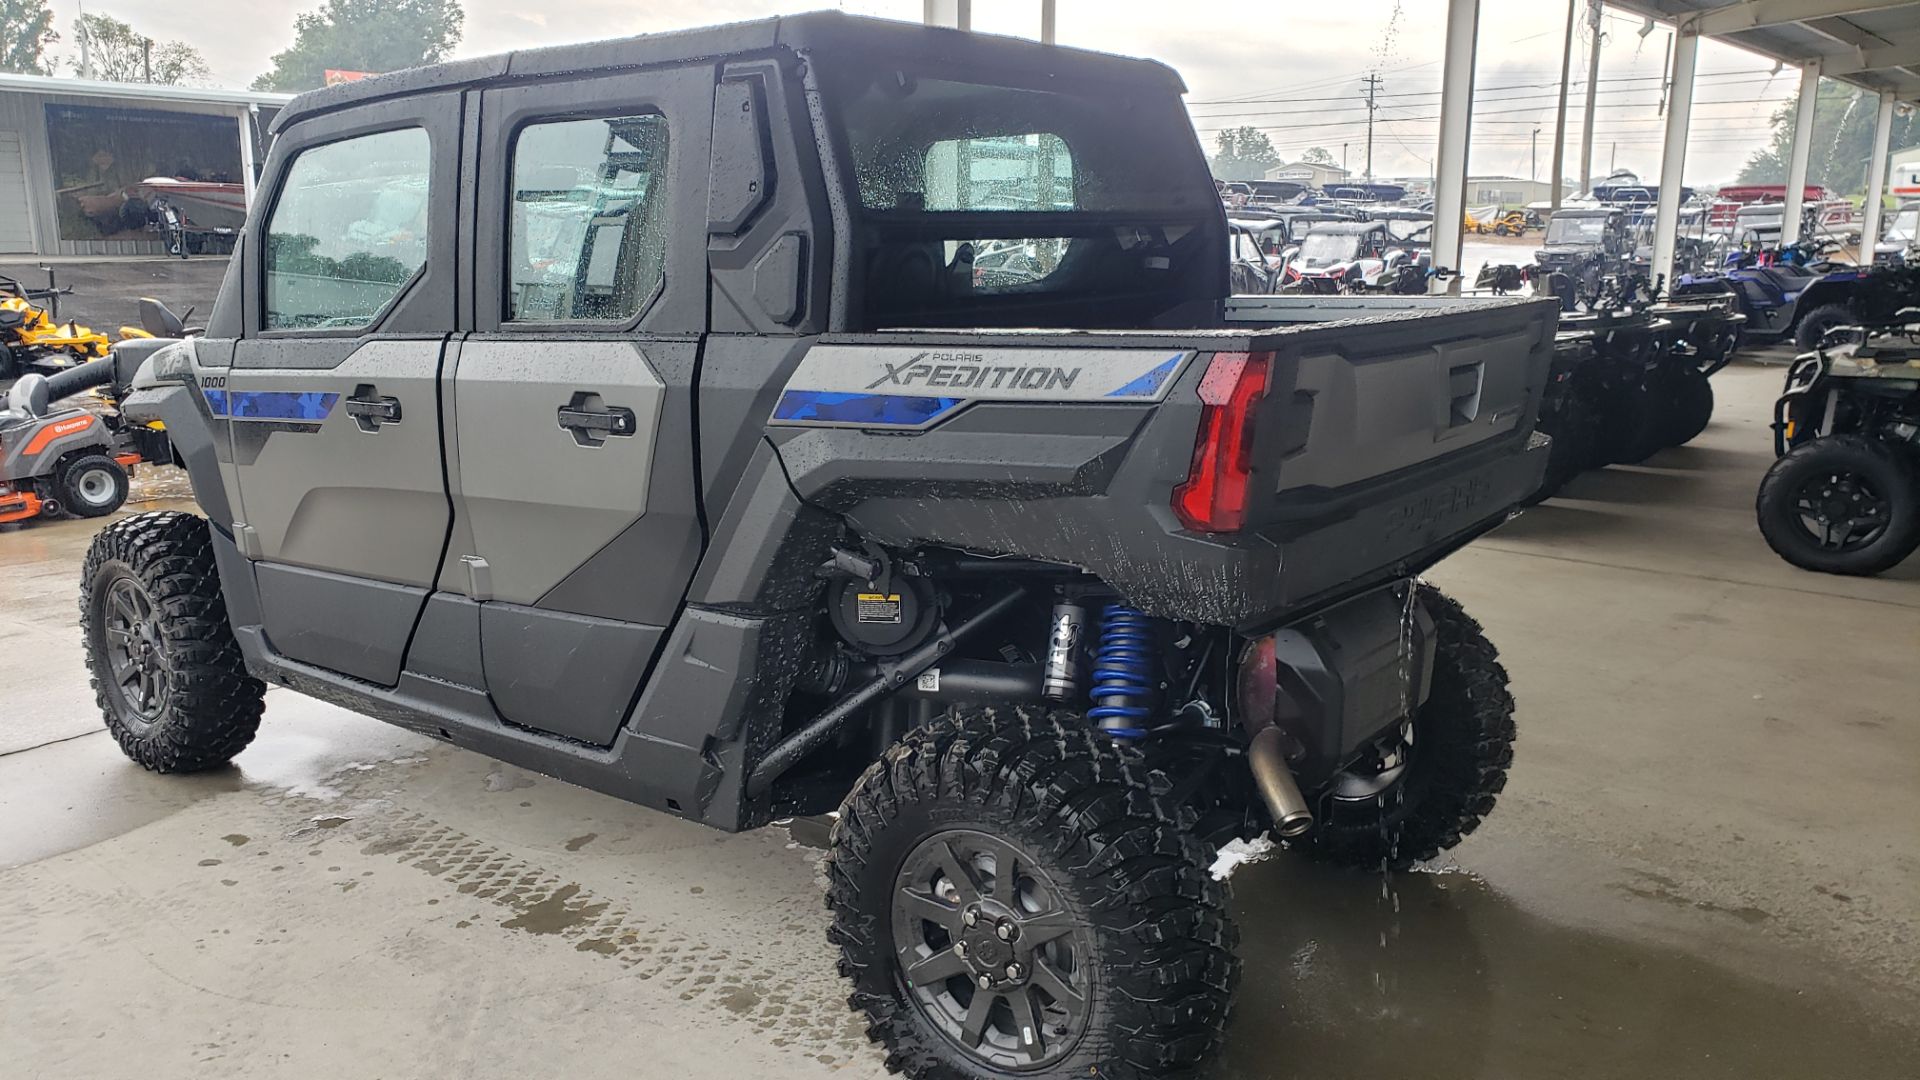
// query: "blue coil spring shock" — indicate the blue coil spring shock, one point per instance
point(1123, 679)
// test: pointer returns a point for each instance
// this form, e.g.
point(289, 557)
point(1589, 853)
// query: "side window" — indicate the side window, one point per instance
point(588, 228)
point(348, 231)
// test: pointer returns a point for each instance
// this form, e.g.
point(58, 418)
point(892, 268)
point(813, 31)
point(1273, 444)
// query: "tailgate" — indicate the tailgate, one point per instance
point(1361, 405)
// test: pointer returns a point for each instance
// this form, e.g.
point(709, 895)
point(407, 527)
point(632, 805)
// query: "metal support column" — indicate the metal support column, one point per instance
point(1560, 117)
point(1876, 180)
point(955, 13)
point(1047, 20)
point(1797, 161)
point(1673, 156)
point(1456, 123)
point(1593, 88)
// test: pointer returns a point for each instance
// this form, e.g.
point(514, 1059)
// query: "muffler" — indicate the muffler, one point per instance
point(1267, 757)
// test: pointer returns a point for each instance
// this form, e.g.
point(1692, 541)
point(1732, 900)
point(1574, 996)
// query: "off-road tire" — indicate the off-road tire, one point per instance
point(1099, 819)
point(212, 707)
point(1631, 426)
point(77, 484)
point(1462, 746)
point(1815, 324)
point(1689, 406)
point(1891, 471)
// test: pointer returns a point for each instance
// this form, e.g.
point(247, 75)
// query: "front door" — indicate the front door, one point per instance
point(334, 387)
point(576, 520)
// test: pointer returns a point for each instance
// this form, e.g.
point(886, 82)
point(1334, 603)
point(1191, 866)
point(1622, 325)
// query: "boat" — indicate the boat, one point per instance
point(206, 205)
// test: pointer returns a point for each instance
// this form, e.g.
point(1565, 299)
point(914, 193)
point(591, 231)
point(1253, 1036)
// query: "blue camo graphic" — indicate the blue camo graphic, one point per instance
point(309, 407)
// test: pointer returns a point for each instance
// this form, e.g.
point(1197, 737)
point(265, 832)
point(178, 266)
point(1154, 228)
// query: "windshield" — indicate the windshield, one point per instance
point(1411, 230)
point(1905, 226)
point(1576, 230)
point(1325, 249)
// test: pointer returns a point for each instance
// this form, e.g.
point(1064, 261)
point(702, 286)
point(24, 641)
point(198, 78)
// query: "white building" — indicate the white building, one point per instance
point(74, 156)
point(1312, 173)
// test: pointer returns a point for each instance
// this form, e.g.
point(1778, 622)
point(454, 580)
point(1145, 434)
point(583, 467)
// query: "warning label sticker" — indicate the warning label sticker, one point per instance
point(873, 607)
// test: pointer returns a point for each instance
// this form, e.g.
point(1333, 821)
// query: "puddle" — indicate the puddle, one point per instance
point(1439, 975)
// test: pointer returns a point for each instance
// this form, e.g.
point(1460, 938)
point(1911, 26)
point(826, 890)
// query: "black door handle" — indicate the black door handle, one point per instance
point(369, 410)
point(592, 422)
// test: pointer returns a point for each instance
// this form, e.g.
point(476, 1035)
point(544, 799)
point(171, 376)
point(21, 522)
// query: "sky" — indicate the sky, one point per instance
point(1290, 67)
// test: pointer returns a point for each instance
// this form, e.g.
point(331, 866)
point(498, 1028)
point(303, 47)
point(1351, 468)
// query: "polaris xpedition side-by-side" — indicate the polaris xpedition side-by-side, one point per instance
point(826, 413)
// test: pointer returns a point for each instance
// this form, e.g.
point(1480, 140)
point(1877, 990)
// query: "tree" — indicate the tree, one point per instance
point(364, 35)
point(1318, 155)
point(116, 52)
point(26, 32)
point(1843, 120)
point(1243, 153)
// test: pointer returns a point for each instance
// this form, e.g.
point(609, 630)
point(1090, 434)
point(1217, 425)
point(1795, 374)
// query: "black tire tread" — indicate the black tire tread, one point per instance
point(1466, 731)
point(1778, 487)
point(216, 706)
point(1108, 816)
point(1814, 325)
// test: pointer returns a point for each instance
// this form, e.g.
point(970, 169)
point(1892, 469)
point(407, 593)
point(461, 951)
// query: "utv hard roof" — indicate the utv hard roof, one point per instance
point(1348, 227)
point(898, 44)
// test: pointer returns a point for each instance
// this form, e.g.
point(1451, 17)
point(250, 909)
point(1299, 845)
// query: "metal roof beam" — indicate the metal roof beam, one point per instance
point(1754, 14)
point(1903, 52)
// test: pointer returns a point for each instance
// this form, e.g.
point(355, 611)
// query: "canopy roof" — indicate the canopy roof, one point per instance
point(1872, 44)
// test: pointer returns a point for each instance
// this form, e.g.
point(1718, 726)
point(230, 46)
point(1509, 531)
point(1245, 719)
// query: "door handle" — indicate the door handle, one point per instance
point(369, 411)
point(592, 421)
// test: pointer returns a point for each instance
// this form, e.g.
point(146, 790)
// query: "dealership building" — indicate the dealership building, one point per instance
point(83, 164)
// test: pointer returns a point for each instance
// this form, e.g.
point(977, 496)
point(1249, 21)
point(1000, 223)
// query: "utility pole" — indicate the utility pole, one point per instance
point(1343, 157)
point(1593, 86)
point(1560, 118)
point(146, 58)
point(1533, 170)
point(1373, 87)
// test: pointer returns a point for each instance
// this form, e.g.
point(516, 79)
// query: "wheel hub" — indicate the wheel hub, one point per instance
point(989, 941)
point(140, 673)
point(1841, 511)
point(987, 953)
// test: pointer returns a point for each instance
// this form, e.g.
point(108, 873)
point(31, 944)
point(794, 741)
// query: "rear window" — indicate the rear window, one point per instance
point(982, 203)
point(926, 144)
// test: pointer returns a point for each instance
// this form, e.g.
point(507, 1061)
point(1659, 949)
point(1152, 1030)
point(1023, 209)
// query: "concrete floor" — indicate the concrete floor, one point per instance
point(1707, 863)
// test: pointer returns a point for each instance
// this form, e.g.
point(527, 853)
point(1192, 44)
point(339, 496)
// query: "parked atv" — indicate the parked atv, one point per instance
point(1047, 615)
point(1582, 247)
point(1844, 496)
point(1799, 296)
point(1351, 257)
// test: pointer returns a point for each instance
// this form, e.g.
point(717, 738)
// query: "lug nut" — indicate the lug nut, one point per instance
point(986, 982)
point(1013, 971)
point(1005, 930)
point(970, 917)
point(960, 949)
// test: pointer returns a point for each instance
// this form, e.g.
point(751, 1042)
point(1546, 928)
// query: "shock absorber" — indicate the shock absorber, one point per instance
point(1123, 673)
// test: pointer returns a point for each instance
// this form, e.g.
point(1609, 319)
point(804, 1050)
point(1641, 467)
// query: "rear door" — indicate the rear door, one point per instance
point(576, 522)
point(349, 303)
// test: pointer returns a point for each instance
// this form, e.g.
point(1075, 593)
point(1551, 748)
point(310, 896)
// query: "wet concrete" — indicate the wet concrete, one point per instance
point(1707, 863)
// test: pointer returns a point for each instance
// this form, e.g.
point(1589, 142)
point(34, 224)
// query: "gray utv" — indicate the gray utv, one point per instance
point(823, 413)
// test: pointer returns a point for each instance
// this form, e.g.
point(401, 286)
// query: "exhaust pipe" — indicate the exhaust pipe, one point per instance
point(1267, 758)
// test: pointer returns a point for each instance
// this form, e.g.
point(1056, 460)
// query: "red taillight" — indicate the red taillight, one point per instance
point(1213, 498)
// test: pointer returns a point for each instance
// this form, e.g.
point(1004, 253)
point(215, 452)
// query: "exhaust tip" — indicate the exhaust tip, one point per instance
point(1296, 824)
